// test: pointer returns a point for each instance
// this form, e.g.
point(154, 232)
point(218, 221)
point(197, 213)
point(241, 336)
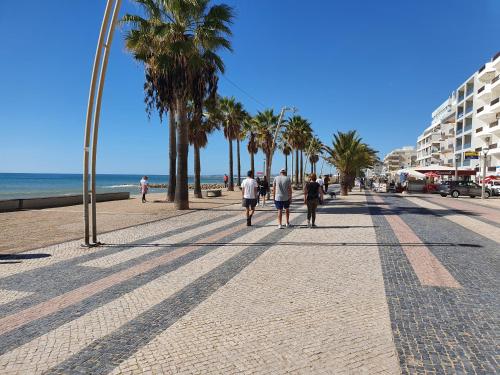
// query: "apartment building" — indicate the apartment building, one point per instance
point(467, 121)
point(399, 158)
point(487, 113)
point(435, 145)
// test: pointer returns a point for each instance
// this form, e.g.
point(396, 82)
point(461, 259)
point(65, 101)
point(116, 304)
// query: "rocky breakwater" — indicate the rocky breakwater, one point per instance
point(191, 186)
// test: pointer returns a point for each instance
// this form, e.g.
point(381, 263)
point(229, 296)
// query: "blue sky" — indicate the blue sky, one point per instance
point(380, 67)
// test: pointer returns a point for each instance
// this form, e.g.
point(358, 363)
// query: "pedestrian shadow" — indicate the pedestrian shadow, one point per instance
point(20, 257)
point(301, 244)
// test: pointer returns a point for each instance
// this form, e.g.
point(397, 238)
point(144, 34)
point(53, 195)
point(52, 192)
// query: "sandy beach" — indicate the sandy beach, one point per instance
point(31, 229)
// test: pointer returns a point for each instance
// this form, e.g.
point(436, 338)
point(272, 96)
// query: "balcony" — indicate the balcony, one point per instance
point(495, 85)
point(494, 128)
point(484, 93)
point(485, 114)
point(468, 109)
point(458, 148)
point(470, 91)
point(460, 115)
point(468, 128)
point(486, 73)
point(495, 61)
point(494, 149)
point(495, 105)
point(467, 146)
point(466, 163)
point(459, 131)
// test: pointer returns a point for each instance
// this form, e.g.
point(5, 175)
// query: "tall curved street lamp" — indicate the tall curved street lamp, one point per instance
point(275, 137)
point(102, 51)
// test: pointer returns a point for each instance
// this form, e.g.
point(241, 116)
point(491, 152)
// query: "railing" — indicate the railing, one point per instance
point(495, 101)
point(481, 90)
point(458, 148)
point(467, 145)
point(459, 131)
point(461, 97)
point(468, 109)
point(479, 130)
point(460, 115)
point(468, 128)
point(469, 91)
point(493, 124)
point(480, 109)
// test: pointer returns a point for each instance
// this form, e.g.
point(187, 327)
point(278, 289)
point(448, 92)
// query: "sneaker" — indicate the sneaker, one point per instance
point(280, 226)
point(309, 223)
point(313, 226)
point(288, 225)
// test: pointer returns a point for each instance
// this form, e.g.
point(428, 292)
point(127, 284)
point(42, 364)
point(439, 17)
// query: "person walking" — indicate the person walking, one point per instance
point(263, 190)
point(226, 179)
point(259, 182)
point(249, 196)
point(313, 193)
point(321, 183)
point(326, 181)
point(144, 188)
point(282, 195)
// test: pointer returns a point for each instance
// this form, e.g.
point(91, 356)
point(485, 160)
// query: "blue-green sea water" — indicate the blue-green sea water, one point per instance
point(31, 185)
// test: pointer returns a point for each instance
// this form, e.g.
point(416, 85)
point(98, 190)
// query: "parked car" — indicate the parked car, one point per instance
point(494, 186)
point(457, 188)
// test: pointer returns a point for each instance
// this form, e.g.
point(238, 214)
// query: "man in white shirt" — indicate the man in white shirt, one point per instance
point(249, 189)
point(321, 186)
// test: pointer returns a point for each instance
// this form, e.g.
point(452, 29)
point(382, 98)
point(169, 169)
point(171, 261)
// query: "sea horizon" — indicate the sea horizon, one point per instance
point(38, 185)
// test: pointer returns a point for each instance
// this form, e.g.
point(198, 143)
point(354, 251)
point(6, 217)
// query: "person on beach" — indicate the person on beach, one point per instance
point(282, 195)
point(263, 190)
point(249, 196)
point(313, 193)
point(226, 179)
point(144, 188)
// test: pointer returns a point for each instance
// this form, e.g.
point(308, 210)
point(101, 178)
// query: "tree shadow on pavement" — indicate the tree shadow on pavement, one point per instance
point(4, 257)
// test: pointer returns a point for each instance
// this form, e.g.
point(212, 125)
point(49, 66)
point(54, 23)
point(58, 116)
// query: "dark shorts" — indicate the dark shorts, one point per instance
point(282, 204)
point(249, 203)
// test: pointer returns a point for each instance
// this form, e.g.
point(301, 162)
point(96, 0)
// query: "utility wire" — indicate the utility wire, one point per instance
point(246, 93)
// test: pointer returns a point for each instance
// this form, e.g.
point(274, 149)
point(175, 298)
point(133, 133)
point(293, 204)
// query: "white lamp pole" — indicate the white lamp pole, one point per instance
point(275, 136)
point(90, 107)
point(485, 156)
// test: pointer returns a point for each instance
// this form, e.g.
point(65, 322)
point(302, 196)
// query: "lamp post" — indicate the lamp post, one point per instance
point(485, 156)
point(275, 136)
point(93, 113)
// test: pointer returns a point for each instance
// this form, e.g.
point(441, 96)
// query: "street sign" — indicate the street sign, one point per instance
point(471, 155)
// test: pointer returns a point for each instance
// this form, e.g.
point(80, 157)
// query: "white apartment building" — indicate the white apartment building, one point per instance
point(435, 145)
point(399, 158)
point(487, 113)
point(467, 121)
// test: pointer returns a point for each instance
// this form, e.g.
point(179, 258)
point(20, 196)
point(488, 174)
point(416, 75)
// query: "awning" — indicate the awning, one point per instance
point(446, 171)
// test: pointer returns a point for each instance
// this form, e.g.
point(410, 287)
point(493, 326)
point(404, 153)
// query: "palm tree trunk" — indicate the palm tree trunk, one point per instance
point(181, 186)
point(252, 163)
point(297, 166)
point(268, 166)
point(172, 155)
point(286, 164)
point(230, 187)
point(238, 160)
point(312, 167)
point(301, 167)
point(197, 172)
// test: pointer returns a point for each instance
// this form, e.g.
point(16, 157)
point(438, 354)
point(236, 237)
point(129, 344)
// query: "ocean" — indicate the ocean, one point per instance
point(34, 185)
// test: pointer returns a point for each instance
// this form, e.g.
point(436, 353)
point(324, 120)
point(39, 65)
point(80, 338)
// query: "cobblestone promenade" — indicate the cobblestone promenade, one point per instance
point(386, 284)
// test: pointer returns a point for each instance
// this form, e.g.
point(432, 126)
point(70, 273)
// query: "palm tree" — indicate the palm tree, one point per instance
point(265, 124)
point(181, 61)
point(298, 133)
point(232, 114)
point(200, 126)
point(249, 129)
point(314, 149)
point(349, 155)
point(144, 42)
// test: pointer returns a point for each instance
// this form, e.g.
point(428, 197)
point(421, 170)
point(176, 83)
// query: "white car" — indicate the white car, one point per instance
point(494, 186)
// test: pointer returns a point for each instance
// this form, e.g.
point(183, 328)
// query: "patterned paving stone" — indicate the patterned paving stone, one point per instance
point(441, 330)
point(7, 296)
point(295, 309)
